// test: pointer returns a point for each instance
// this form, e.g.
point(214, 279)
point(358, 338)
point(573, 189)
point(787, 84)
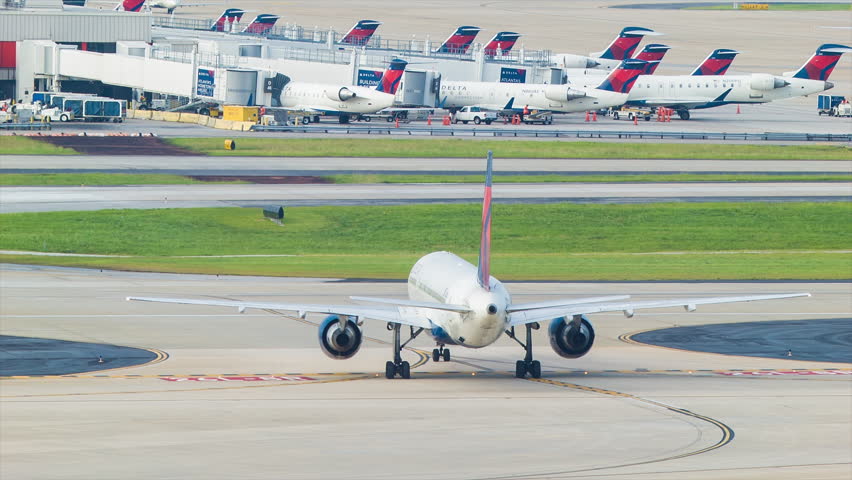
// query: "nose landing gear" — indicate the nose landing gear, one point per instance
point(441, 353)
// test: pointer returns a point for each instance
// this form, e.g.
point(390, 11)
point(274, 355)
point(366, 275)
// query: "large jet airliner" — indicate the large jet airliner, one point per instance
point(607, 92)
point(458, 303)
point(169, 5)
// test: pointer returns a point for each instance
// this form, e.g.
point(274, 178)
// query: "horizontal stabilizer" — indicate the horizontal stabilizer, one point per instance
point(411, 303)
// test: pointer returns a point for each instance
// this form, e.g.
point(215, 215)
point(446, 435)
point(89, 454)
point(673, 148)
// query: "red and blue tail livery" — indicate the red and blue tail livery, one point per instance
point(653, 53)
point(130, 6)
point(389, 83)
point(484, 269)
point(361, 33)
point(261, 24)
point(460, 40)
point(625, 43)
point(228, 17)
point(822, 63)
point(621, 79)
point(503, 41)
point(717, 63)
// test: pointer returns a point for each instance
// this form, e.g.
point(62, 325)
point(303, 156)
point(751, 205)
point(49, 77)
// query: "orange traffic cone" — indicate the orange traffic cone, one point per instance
point(594, 115)
point(396, 123)
point(429, 120)
point(587, 115)
point(635, 120)
point(738, 108)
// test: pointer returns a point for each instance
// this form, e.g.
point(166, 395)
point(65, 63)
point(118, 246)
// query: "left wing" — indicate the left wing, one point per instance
point(538, 315)
point(385, 313)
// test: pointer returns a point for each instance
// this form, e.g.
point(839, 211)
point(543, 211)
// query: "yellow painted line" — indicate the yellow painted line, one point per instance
point(726, 431)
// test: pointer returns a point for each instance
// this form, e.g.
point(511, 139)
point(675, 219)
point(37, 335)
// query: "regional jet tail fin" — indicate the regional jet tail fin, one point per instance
point(460, 40)
point(227, 19)
point(717, 63)
point(503, 41)
point(484, 268)
point(821, 63)
point(389, 83)
point(130, 6)
point(261, 24)
point(653, 53)
point(625, 43)
point(621, 79)
point(361, 33)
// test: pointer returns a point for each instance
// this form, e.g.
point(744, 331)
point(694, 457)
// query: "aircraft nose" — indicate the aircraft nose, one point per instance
point(829, 85)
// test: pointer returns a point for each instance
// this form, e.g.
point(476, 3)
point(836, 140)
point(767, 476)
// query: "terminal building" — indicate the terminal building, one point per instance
point(136, 56)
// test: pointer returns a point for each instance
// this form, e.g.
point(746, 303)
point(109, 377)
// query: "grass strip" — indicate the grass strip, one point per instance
point(555, 178)
point(19, 145)
point(556, 267)
point(530, 241)
point(46, 179)
point(475, 148)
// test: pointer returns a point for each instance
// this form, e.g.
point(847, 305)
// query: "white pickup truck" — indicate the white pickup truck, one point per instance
point(474, 114)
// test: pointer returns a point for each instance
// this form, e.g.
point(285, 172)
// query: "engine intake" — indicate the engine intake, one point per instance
point(339, 343)
point(340, 95)
point(570, 340)
point(765, 82)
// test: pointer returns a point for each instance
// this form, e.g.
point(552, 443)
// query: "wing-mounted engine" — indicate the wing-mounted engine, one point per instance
point(765, 82)
point(562, 93)
point(568, 60)
point(571, 338)
point(339, 342)
point(340, 95)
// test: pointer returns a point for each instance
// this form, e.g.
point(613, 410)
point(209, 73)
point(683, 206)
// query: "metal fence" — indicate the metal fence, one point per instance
point(542, 133)
point(25, 126)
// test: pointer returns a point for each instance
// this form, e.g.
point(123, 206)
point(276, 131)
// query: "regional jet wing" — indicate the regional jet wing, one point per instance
point(385, 313)
point(541, 314)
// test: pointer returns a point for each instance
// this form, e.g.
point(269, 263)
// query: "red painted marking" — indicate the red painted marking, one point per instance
point(775, 373)
point(259, 378)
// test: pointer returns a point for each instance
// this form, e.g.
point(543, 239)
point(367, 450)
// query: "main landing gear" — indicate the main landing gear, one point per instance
point(527, 365)
point(441, 353)
point(397, 366)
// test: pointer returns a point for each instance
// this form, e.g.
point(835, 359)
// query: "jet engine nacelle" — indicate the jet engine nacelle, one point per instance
point(568, 60)
point(562, 93)
point(570, 340)
point(339, 343)
point(765, 81)
point(340, 95)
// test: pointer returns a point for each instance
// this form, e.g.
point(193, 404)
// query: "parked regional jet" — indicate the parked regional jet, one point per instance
point(226, 21)
point(460, 41)
point(502, 43)
point(653, 53)
point(717, 63)
point(344, 102)
point(686, 92)
point(169, 5)
point(621, 48)
point(609, 91)
point(458, 303)
point(261, 24)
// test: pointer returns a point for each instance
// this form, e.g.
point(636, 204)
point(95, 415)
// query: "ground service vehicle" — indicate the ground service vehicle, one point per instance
point(826, 103)
point(474, 114)
point(630, 113)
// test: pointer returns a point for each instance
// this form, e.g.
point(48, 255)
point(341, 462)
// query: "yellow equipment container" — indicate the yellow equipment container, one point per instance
point(240, 113)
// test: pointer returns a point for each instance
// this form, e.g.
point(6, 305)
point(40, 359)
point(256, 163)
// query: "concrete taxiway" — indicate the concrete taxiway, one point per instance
point(42, 199)
point(252, 396)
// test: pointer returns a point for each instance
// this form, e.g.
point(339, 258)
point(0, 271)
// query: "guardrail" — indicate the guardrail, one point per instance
point(25, 126)
point(540, 133)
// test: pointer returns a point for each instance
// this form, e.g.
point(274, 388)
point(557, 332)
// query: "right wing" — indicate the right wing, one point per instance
point(385, 313)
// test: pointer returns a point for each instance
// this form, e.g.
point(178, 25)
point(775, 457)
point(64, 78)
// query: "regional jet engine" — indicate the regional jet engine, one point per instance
point(562, 93)
point(571, 338)
point(340, 95)
point(336, 342)
point(765, 82)
point(568, 60)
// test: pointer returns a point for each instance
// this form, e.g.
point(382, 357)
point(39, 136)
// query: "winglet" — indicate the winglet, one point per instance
point(484, 270)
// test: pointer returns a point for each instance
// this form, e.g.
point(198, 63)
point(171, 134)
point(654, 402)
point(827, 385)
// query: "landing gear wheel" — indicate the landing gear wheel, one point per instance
point(436, 355)
point(520, 369)
point(683, 114)
point(390, 370)
point(535, 369)
point(446, 354)
point(405, 370)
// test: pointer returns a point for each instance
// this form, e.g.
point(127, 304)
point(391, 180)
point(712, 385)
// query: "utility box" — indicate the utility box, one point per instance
point(240, 114)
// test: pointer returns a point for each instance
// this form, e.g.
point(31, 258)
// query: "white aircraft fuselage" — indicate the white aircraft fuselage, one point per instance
point(443, 277)
point(554, 98)
point(334, 98)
